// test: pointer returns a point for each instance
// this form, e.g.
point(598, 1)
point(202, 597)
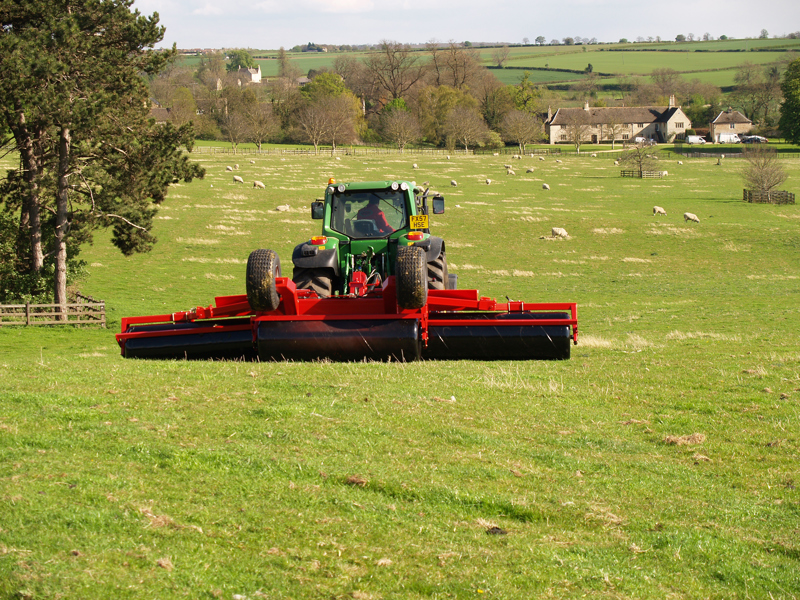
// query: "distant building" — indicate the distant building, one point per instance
point(730, 121)
point(249, 75)
point(656, 123)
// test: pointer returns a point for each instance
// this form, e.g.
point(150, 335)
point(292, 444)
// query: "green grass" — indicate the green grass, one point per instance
point(130, 479)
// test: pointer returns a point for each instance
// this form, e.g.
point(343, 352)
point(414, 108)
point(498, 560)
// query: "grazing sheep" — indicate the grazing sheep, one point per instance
point(558, 232)
point(541, 158)
point(252, 162)
point(237, 179)
point(283, 208)
point(559, 161)
point(229, 168)
point(517, 156)
point(414, 166)
point(657, 210)
point(338, 158)
point(510, 172)
point(545, 186)
point(495, 154)
point(488, 182)
point(453, 183)
point(594, 155)
point(690, 217)
point(259, 185)
point(507, 167)
point(616, 163)
point(664, 173)
point(236, 167)
point(680, 162)
point(448, 157)
point(529, 170)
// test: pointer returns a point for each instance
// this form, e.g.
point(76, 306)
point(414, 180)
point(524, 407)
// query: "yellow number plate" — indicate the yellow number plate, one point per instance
point(419, 221)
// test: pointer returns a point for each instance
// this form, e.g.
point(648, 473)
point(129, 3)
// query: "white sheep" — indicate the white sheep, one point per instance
point(541, 158)
point(657, 210)
point(488, 182)
point(690, 217)
point(229, 168)
point(495, 154)
point(507, 167)
point(448, 157)
point(680, 162)
point(252, 162)
point(259, 185)
point(545, 186)
point(664, 173)
point(414, 166)
point(453, 183)
point(338, 158)
point(237, 179)
point(529, 170)
point(283, 208)
point(559, 161)
point(594, 155)
point(558, 232)
point(510, 172)
point(236, 167)
point(516, 156)
point(616, 163)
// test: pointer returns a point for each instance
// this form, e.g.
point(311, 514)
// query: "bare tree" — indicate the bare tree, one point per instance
point(639, 158)
point(263, 124)
point(395, 69)
point(763, 171)
point(578, 127)
point(466, 125)
point(522, 128)
point(340, 113)
point(667, 82)
point(613, 130)
point(235, 127)
point(500, 56)
point(312, 123)
point(400, 127)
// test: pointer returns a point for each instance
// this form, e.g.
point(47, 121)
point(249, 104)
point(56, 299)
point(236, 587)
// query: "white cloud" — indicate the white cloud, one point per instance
point(208, 9)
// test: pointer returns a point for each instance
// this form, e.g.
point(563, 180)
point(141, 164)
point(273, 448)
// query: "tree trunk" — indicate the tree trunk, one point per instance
point(31, 169)
point(62, 224)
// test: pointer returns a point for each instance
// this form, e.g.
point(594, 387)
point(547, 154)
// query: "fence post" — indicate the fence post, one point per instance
point(27, 313)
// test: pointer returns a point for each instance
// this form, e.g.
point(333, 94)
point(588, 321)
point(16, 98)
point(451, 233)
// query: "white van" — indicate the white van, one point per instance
point(695, 139)
point(728, 138)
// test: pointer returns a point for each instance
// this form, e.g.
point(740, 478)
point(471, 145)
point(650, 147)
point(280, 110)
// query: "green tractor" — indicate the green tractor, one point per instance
point(370, 231)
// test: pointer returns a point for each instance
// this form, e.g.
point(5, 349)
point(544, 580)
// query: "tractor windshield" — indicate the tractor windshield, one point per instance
point(363, 214)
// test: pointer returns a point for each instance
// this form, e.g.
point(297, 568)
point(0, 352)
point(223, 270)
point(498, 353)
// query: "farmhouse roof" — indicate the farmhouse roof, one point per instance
point(627, 114)
point(730, 116)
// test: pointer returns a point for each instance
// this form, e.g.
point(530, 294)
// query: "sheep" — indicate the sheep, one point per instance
point(516, 156)
point(453, 183)
point(594, 155)
point(488, 182)
point(338, 158)
point(559, 161)
point(657, 210)
point(448, 157)
point(680, 162)
point(414, 166)
point(690, 217)
point(558, 232)
point(541, 158)
point(495, 154)
point(229, 168)
point(236, 167)
point(252, 162)
point(529, 170)
point(237, 179)
point(664, 173)
point(510, 172)
point(545, 186)
point(616, 163)
point(283, 208)
point(507, 167)
point(259, 185)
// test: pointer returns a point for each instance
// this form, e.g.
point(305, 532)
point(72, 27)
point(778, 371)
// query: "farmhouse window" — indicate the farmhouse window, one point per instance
point(563, 137)
point(625, 136)
point(640, 125)
point(733, 125)
point(678, 125)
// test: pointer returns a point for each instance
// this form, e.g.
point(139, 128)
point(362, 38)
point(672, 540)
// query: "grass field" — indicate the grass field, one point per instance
point(660, 461)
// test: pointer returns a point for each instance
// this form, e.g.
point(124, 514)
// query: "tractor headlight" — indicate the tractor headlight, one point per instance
point(395, 186)
point(404, 186)
point(341, 188)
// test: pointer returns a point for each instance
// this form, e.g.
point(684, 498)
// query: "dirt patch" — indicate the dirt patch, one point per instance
point(685, 440)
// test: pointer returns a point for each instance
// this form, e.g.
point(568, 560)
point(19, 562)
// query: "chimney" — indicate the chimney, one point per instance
point(586, 106)
point(672, 100)
point(549, 113)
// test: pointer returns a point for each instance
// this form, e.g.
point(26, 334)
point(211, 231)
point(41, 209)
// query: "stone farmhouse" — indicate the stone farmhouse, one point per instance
point(730, 121)
point(657, 123)
point(249, 75)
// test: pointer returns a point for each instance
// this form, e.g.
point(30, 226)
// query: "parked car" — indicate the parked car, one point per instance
point(754, 139)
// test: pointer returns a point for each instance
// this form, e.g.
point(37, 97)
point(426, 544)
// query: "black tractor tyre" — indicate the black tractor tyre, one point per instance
point(263, 266)
point(318, 280)
point(437, 274)
point(411, 274)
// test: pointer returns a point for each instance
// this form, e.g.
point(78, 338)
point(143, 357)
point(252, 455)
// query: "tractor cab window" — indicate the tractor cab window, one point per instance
point(362, 214)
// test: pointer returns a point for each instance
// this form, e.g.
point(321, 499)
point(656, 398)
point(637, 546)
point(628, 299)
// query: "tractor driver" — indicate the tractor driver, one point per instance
point(373, 213)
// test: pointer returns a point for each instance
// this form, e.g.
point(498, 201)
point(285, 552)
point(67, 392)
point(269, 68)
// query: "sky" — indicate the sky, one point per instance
point(270, 24)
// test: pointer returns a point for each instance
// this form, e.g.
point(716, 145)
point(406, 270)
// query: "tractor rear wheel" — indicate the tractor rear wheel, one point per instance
point(263, 266)
point(437, 274)
point(411, 274)
point(318, 280)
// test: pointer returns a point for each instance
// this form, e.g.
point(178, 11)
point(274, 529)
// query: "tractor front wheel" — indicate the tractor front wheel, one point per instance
point(411, 274)
point(263, 266)
point(318, 280)
point(437, 274)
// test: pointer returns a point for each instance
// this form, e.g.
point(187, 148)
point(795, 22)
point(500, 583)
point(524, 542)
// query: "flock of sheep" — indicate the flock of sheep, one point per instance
point(236, 179)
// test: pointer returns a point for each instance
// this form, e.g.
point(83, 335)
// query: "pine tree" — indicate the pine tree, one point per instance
point(74, 97)
point(790, 109)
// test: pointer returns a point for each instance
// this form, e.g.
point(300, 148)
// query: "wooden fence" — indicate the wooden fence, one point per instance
point(86, 311)
point(328, 151)
point(758, 197)
point(643, 174)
